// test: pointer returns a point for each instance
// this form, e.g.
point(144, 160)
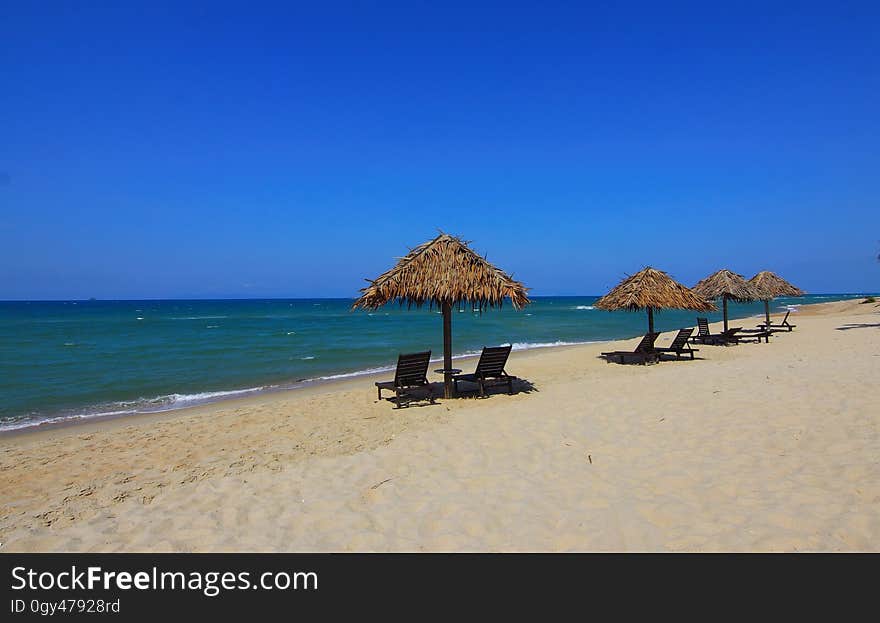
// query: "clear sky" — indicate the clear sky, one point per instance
point(254, 149)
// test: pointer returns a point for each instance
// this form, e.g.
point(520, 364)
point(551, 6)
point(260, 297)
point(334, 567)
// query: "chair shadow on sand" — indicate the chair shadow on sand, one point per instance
point(472, 390)
point(672, 357)
point(662, 358)
point(419, 397)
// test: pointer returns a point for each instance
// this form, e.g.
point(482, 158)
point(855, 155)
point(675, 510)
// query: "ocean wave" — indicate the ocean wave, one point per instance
point(197, 317)
point(158, 404)
point(307, 358)
point(202, 396)
point(584, 307)
point(345, 375)
point(31, 422)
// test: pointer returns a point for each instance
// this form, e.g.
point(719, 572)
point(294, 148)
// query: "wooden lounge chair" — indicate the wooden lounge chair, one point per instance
point(412, 372)
point(724, 338)
point(680, 345)
point(489, 367)
point(644, 353)
point(702, 330)
point(778, 328)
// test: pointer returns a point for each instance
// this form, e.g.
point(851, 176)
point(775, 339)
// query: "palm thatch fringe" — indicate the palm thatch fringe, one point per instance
point(443, 271)
point(727, 285)
point(652, 288)
point(770, 285)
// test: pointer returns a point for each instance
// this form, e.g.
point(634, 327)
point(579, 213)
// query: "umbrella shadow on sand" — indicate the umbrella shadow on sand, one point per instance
point(859, 325)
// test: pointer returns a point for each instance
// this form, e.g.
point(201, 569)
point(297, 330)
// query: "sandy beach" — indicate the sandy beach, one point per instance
point(769, 447)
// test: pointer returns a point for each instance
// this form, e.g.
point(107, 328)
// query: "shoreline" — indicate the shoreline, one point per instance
point(251, 395)
point(61, 422)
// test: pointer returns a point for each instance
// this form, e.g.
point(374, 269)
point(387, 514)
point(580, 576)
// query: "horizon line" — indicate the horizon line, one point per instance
point(328, 298)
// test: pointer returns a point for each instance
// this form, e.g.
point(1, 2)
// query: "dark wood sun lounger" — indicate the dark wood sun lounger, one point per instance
point(680, 345)
point(724, 338)
point(702, 330)
point(778, 328)
point(644, 353)
point(490, 367)
point(412, 372)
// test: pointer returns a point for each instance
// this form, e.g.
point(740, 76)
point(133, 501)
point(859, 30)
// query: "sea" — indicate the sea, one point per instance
point(69, 360)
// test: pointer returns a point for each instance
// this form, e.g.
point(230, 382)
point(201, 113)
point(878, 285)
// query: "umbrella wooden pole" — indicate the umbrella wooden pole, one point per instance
point(767, 311)
point(725, 313)
point(447, 349)
point(650, 320)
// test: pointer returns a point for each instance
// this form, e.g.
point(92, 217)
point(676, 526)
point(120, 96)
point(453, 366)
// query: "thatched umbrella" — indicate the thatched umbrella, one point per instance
point(726, 285)
point(769, 286)
point(443, 272)
point(652, 289)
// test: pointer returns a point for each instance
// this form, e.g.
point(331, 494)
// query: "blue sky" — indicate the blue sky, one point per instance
point(254, 149)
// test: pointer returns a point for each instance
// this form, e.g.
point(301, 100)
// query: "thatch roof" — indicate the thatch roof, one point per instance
point(655, 289)
point(770, 285)
point(443, 270)
point(726, 284)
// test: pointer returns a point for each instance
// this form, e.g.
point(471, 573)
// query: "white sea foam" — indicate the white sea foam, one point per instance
point(584, 307)
point(140, 317)
point(152, 405)
point(307, 357)
point(331, 377)
point(30, 422)
point(201, 396)
point(116, 408)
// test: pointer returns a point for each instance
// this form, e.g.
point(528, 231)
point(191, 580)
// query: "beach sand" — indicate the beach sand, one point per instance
point(770, 447)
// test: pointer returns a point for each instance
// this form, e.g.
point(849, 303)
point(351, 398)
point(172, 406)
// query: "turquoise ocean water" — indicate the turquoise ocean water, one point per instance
point(74, 359)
